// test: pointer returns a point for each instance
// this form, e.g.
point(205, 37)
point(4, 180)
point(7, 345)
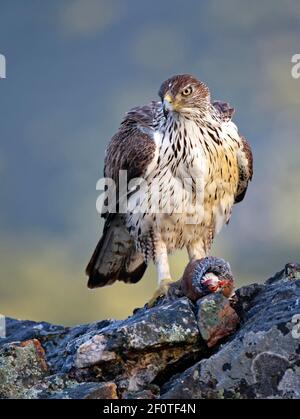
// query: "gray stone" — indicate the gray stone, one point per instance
point(176, 349)
point(216, 318)
point(260, 358)
point(21, 367)
point(168, 325)
point(87, 391)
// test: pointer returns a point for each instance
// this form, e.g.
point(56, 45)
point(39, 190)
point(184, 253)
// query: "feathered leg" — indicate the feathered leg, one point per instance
point(201, 248)
point(163, 271)
point(196, 250)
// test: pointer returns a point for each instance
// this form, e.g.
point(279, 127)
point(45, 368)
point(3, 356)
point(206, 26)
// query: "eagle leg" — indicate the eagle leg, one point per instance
point(163, 271)
point(196, 250)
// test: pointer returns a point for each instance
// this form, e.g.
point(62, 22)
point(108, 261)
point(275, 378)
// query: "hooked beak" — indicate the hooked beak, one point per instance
point(168, 104)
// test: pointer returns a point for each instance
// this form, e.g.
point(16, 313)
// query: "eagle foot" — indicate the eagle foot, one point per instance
point(162, 291)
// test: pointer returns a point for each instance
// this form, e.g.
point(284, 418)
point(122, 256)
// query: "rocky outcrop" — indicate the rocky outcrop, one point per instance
point(248, 347)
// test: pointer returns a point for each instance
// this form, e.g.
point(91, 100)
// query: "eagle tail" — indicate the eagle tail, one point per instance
point(115, 257)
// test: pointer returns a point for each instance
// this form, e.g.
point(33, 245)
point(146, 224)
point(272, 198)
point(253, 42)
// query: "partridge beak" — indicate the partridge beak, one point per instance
point(211, 282)
point(226, 287)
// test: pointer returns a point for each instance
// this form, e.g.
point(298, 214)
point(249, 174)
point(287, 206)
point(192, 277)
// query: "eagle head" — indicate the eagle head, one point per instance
point(184, 94)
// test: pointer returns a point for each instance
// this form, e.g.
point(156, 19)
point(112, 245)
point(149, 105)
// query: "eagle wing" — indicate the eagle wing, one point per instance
point(224, 109)
point(132, 149)
point(245, 164)
point(244, 155)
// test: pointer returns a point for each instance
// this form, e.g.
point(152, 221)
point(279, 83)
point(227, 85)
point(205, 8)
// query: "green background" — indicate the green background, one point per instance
point(74, 67)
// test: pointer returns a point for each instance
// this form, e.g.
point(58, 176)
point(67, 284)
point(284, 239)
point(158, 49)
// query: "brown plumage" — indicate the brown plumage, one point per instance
point(185, 135)
point(246, 170)
point(115, 257)
point(132, 148)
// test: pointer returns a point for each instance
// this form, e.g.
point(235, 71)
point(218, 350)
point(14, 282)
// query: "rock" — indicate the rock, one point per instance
point(170, 325)
point(143, 346)
point(93, 352)
point(22, 365)
point(143, 395)
point(260, 361)
point(60, 343)
point(216, 318)
point(290, 271)
point(289, 385)
point(243, 297)
point(176, 349)
point(88, 391)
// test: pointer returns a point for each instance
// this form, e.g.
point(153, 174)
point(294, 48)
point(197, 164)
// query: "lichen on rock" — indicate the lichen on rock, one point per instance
point(214, 348)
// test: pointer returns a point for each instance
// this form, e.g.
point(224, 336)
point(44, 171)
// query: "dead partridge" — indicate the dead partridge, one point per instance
point(207, 275)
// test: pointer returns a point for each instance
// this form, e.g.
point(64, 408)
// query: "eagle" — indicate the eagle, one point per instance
point(195, 165)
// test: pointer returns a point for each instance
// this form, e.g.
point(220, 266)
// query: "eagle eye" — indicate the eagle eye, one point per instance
point(187, 91)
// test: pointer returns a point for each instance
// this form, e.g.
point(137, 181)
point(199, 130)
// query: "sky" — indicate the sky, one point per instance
point(73, 68)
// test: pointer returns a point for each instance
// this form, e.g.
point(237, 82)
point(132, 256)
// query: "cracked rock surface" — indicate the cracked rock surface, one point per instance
point(246, 348)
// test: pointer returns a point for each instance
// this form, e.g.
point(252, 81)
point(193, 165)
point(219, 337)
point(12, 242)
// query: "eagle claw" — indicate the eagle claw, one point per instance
point(162, 291)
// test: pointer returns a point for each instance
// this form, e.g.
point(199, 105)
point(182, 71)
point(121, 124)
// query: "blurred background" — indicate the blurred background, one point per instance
point(74, 67)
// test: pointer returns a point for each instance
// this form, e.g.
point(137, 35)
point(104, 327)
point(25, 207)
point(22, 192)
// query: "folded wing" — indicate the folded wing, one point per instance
point(244, 155)
point(132, 149)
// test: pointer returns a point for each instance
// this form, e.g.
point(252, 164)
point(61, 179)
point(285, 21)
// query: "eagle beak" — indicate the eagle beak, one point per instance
point(168, 104)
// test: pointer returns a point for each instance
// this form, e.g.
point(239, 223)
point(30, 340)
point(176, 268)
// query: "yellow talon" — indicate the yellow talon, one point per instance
point(161, 291)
